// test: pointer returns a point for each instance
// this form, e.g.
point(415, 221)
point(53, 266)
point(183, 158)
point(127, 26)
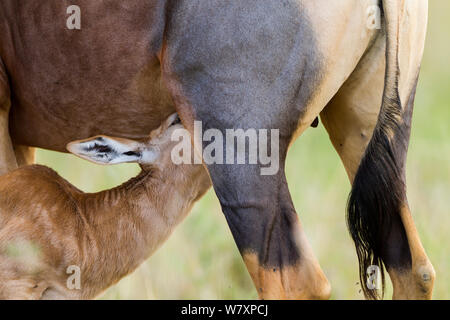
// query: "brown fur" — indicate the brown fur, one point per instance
point(102, 79)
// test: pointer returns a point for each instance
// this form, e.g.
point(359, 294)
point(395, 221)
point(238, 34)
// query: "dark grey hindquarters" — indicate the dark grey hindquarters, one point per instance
point(246, 64)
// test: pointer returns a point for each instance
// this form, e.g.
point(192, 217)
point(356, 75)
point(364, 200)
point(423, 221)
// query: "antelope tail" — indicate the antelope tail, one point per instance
point(378, 188)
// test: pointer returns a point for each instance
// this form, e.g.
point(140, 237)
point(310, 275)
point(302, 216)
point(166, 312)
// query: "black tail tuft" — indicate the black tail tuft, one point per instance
point(376, 197)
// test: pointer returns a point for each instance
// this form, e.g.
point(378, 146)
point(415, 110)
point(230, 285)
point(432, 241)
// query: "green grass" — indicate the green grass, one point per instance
point(201, 261)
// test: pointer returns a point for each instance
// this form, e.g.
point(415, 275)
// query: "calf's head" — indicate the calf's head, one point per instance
point(150, 153)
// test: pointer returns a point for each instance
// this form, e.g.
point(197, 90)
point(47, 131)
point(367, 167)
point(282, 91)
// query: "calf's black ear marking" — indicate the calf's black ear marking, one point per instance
point(132, 153)
point(176, 121)
point(99, 148)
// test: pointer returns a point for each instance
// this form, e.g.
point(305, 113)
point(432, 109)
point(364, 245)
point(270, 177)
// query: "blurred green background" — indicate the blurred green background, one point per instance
point(201, 261)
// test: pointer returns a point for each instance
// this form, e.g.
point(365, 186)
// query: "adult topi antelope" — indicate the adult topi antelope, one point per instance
point(48, 228)
point(260, 64)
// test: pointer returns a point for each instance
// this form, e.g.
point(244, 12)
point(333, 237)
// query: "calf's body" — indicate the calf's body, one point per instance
point(48, 227)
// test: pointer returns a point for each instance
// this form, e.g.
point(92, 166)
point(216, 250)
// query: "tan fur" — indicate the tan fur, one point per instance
point(24, 155)
point(47, 225)
point(303, 281)
point(418, 282)
point(8, 160)
point(6, 147)
point(334, 40)
point(352, 114)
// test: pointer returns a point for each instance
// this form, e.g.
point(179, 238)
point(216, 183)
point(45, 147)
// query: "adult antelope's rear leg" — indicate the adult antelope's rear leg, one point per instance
point(259, 211)
point(350, 119)
point(24, 155)
point(254, 78)
point(7, 157)
point(267, 231)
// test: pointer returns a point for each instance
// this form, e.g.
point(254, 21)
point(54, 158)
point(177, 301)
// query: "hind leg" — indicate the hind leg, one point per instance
point(24, 155)
point(259, 209)
point(268, 234)
point(233, 81)
point(7, 156)
point(350, 119)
